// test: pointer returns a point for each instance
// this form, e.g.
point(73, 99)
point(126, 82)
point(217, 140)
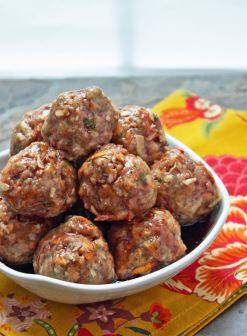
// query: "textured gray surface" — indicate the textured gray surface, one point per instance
point(228, 89)
point(16, 96)
point(233, 322)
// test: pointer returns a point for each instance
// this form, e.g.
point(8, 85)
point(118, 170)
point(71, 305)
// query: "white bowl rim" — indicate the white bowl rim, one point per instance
point(175, 267)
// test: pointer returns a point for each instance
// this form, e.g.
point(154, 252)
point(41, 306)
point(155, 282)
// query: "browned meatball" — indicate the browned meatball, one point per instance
point(146, 243)
point(185, 187)
point(28, 129)
point(80, 121)
point(140, 131)
point(116, 185)
point(19, 235)
point(38, 181)
point(77, 252)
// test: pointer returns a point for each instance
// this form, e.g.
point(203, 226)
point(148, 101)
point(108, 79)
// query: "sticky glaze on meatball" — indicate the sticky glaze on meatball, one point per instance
point(19, 235)
point(185, 187)
point(76, 252)
point(146, 243)
point(80, 121)
point(38, 181)
point(28, 130)
point(116, 185)
point(139, 130)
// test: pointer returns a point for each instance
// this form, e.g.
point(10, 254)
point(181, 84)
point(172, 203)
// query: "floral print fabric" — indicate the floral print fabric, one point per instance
point(192, 298)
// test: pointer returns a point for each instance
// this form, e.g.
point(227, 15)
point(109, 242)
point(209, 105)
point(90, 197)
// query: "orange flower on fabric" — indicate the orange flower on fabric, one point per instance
point(230, 234)
point(177, 116)
point(223, 267)
point(240, 206)
point(224, 270)
point(195, 107)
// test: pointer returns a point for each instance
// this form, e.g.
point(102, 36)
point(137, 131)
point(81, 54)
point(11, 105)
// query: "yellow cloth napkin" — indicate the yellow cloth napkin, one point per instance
point(194, 297)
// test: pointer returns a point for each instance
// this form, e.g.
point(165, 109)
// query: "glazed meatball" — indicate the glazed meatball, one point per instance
point(80, 121)
point(185, 187)
point(116, 185)
point(28, 130)
point(146, 243)
point(76, 252)
point(19, 235)
point(139, 130)
point(38, 181)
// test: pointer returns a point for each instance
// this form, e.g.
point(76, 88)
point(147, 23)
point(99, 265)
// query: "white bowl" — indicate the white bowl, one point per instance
point(67, 292)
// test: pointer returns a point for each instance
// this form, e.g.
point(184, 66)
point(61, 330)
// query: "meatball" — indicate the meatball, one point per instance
point(116, 185)
point(80, 121)
point(19, 235)
point(146, 243)
point(76, 252)
point(38, 181)
point(185, 187)
point(28, 129)
point(139, 130)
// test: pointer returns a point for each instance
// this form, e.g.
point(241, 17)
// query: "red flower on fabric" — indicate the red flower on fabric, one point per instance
point(159, 315)
point(184, 282)
point(84, 332)
point(232, 171)
point(207, 110)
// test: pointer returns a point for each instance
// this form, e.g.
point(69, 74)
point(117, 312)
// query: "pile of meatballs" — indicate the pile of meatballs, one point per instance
point(83, 155)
